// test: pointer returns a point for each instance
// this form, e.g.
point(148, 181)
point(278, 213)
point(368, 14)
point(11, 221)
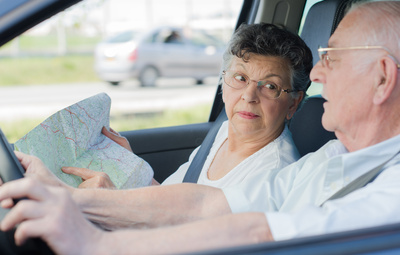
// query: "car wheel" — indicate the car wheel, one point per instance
point(148, 76)
point(114, 83)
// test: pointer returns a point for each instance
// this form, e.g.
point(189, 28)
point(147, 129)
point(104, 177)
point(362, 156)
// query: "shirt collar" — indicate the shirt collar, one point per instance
point(359, 162)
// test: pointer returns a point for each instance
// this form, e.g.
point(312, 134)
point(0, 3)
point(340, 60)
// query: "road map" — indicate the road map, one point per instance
point(72, 137)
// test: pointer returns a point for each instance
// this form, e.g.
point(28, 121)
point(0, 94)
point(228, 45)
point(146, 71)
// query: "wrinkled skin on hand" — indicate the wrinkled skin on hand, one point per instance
point(48, 212)
point(36, 169)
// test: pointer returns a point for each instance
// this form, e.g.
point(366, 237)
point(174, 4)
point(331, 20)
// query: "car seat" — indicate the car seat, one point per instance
point(306, 127)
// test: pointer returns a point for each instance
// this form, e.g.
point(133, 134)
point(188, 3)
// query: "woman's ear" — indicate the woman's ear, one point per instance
point(295, 103)
point(385, 80)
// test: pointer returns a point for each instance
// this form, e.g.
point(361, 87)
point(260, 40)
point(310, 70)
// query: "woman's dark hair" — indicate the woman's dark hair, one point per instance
point(270, 40)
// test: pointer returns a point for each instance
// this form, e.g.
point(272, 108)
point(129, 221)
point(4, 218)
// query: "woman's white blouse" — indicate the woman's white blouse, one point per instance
point(275, 155)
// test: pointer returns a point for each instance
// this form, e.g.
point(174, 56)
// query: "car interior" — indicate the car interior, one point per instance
point(165, 149)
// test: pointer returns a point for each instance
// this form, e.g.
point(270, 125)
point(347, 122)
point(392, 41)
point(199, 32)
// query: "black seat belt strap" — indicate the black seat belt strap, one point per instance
point(193, 173)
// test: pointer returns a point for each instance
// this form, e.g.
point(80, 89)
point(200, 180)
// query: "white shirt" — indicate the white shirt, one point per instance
point(275, 155)
point(297, 192)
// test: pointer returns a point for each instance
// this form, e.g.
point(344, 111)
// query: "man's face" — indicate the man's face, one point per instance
point(346, 88)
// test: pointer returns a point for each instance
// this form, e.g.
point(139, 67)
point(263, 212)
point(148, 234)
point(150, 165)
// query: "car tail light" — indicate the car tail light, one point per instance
point(132, 57)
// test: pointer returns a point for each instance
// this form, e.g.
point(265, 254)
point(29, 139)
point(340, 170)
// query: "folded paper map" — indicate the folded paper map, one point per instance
point(72, 137)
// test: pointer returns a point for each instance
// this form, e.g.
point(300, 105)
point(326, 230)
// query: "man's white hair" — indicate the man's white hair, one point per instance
point(381, 23)
point(380, 26)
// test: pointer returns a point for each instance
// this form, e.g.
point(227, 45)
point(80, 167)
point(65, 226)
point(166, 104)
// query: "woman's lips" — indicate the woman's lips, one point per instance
point(247, 115)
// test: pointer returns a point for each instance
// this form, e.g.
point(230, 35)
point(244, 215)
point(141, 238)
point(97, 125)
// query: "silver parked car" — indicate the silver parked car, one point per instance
point(164, 52)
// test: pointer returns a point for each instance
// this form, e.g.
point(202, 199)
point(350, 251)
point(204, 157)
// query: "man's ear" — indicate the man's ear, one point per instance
point(385, 80)
point(294, 105)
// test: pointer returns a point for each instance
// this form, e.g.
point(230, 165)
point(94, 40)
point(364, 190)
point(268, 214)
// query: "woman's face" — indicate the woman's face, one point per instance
point(249, 112)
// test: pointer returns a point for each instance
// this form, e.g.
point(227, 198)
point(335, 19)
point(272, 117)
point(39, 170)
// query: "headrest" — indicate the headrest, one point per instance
point(306, 127)
point(321, 21)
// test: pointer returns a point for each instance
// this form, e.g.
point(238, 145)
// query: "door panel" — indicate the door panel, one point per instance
point(165, 149)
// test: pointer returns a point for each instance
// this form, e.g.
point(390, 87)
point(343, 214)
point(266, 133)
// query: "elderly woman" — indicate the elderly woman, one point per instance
point(264, 80)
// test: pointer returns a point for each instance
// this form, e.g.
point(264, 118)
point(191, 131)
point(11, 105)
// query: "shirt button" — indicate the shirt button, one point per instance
point(333, 185)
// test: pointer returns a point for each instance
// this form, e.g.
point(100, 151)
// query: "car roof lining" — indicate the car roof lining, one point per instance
point(281, 13)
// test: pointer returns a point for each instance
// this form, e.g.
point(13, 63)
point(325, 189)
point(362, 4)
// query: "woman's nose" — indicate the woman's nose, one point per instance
point(250, 93)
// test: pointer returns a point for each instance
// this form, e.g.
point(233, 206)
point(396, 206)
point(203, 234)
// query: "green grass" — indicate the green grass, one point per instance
point(16, 129)
point(42, 68)
point(46, 70)
point(49, 43)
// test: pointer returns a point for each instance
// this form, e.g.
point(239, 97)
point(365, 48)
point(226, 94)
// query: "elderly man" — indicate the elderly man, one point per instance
point(359, 71)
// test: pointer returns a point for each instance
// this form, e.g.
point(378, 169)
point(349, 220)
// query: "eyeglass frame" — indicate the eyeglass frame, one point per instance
point(324, 56)
point(250, 80)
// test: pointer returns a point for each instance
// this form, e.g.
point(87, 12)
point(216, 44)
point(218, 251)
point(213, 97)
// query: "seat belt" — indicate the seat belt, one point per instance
point(193, 173)
point(360, 182)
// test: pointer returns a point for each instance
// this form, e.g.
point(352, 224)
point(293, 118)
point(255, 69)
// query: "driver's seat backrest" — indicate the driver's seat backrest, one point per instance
point(306, 127)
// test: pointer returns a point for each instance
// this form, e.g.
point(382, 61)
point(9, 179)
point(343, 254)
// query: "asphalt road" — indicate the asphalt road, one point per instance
point(41, 101)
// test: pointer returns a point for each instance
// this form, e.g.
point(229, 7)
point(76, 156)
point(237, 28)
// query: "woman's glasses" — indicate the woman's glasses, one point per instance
point(268, 89)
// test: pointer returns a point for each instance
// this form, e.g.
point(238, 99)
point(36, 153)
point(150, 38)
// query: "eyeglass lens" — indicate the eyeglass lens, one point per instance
point(240, 81)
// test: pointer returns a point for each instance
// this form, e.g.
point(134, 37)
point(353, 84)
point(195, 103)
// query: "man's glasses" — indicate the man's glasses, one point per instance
point(326, 60)
point(240, 81)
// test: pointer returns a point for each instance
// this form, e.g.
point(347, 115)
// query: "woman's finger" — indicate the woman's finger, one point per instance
point(114, 132)
point(84, 173)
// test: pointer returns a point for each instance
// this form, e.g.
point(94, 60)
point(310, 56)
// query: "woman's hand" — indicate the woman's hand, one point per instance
point(48, 213)
point(116, 137)
point(90, 178)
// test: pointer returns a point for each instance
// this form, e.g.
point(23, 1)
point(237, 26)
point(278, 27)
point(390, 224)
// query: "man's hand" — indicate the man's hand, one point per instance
point(48, 213)
point(35, 168)
point(90, 178)
point(116, 137)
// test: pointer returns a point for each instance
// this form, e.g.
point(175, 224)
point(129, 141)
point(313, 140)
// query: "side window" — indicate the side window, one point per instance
point(105, 46)
point(174, 36)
